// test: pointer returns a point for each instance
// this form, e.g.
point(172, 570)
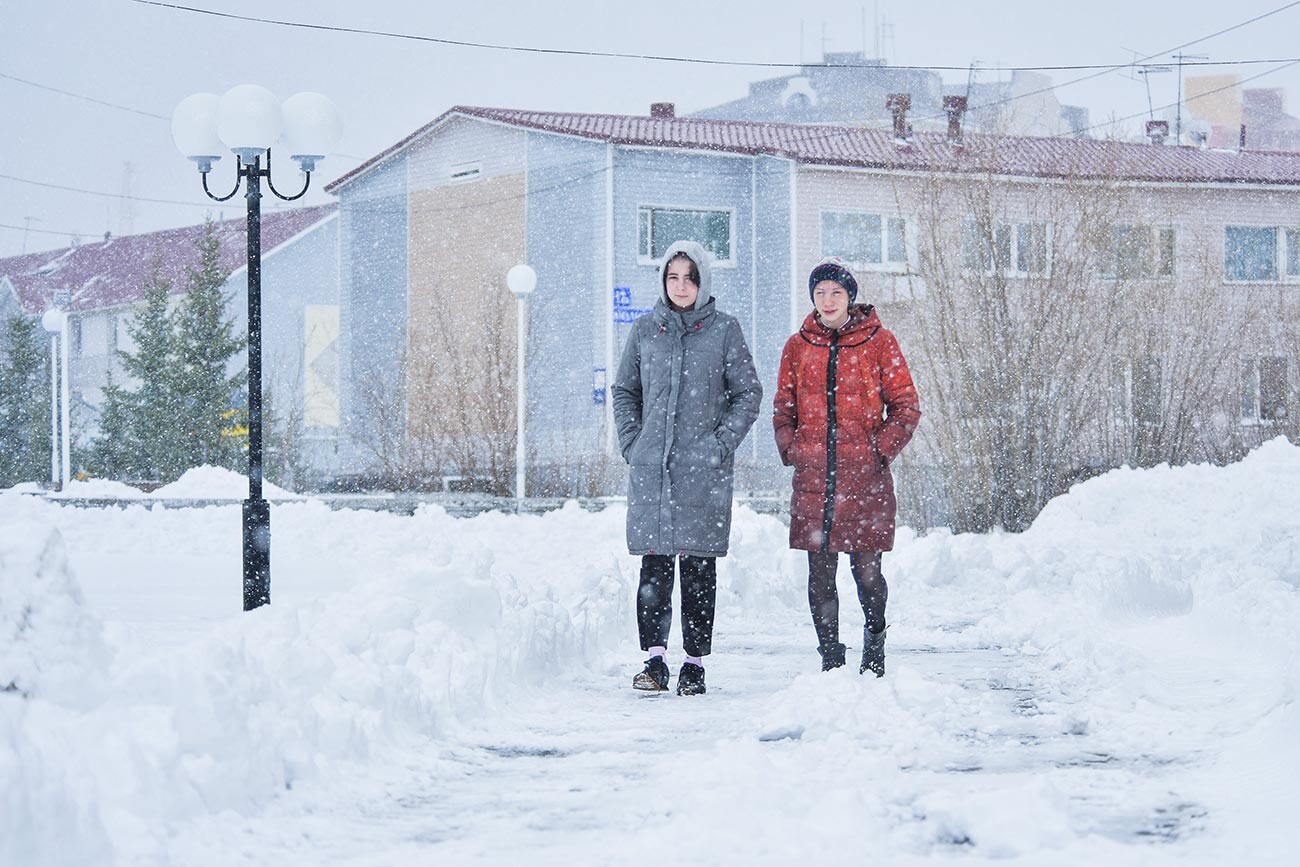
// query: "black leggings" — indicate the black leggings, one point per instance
point(654, 601)
point(824, 601)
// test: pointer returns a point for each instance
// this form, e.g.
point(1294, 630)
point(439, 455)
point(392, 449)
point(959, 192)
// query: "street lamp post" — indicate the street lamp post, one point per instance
point(247, 120)
point(522, 280)
point(55, 321)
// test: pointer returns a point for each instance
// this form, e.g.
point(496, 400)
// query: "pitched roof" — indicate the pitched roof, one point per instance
point(111, 272)
point(858, 147)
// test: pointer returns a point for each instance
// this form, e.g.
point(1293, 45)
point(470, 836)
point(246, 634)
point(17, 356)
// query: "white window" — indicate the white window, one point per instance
point(659, 228)
point(1260, 254)
point(1137, 390)
point(95, 336)
point(1136, 251)
point(462, 172)
point(1015, 249)
point(1263, 389)
point(865, 240)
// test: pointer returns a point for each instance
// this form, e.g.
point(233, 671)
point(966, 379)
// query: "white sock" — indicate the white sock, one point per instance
point(658, 651)
point(695, 660)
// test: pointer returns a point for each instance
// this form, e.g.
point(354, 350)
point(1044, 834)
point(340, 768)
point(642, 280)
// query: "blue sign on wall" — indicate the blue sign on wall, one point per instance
point(624, 312)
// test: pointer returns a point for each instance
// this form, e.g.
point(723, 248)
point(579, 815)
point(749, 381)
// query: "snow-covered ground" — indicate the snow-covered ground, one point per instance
point(1116, 685)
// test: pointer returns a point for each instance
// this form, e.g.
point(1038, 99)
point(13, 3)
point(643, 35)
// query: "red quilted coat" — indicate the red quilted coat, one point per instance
point(845, 407)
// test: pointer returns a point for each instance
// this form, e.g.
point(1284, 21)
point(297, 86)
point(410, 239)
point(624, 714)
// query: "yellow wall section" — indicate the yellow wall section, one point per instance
point(463, 240)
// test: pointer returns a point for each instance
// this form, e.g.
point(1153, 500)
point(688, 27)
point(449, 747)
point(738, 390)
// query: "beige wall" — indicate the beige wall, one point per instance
point(463, 239)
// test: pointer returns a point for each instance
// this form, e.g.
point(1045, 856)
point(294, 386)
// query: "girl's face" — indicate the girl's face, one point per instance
point(682, 290)
point(832, 302)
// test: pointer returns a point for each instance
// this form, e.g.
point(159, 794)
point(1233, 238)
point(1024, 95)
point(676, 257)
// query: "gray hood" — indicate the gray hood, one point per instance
point(703, 261)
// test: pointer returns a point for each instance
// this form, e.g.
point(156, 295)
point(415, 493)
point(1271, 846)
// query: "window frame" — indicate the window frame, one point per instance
point(465, 173)
point(885, 265)
point(644, 209)
point(1281, 260)
point(1254, 391)
point(1110, 269)
point(1013, 268)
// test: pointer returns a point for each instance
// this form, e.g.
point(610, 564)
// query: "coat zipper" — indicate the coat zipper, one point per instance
point(828, 514)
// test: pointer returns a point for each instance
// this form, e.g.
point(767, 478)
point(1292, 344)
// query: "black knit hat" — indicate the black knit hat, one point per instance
point(837, 272)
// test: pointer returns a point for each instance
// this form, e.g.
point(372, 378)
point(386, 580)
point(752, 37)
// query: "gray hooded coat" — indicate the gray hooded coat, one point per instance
point(685, 395)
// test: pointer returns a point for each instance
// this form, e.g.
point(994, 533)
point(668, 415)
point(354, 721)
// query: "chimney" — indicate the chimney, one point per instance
point(1241, 145)
point(1157, 131)
point(955, 107)
point(898, 105)
point(663, 109)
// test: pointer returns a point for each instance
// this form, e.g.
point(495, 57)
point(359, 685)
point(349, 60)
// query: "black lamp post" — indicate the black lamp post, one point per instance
point(247, 120)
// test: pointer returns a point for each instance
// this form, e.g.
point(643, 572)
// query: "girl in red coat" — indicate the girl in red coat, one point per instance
point(845, 407)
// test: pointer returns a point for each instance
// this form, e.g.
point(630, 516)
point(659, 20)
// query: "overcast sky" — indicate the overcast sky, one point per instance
point(146, 59)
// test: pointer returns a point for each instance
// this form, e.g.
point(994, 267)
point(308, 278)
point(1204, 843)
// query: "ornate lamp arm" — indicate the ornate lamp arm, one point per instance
point(239, 164)
point(272, 188)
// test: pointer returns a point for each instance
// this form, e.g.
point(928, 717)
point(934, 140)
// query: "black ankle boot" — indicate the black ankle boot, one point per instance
point(873, 652)
point(832, 655)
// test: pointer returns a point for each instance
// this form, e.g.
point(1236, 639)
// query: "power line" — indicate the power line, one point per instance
point(707, 61)
point(43, 231)
point(110, 195)
point(1073, 133)
point(82, 96)
point(1136, 62)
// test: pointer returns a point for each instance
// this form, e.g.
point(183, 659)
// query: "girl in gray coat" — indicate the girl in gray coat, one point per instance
point(685, 395)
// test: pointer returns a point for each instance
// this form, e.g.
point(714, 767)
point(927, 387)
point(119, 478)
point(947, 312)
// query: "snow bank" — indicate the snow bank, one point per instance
point(217, 483)
point(51, 656)
point(1138, 607)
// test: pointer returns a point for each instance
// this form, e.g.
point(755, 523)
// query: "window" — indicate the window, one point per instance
point(463, 172)
point(94, 336)
point(1137, 390)
point(864, 240)
point(1016, 249)
point(659, 228)
point(1263, 389)
point(1251, 254)
point(1139, 251)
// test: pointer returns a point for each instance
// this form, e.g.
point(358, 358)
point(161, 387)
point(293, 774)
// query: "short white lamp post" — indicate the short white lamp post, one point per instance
point(522, 280)
point(247, 120)
point(55, 321)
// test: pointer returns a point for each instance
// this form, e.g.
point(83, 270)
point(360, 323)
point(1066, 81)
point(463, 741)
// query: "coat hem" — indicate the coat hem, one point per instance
point(687, 551)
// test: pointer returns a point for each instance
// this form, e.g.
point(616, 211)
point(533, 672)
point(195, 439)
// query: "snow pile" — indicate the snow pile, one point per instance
point(97, 489)
point(428, 628)
point(1152, 612)
point(51, 651)
point(49, 645)
point(217, 483)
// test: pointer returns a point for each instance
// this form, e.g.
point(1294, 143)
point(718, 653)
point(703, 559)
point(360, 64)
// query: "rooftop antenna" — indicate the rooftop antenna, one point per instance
point(875, 26)
point(27, 225)
point(126, 207)
point(825, 41)
point(1146, 72)
point(802, 40)
point(1178, 122)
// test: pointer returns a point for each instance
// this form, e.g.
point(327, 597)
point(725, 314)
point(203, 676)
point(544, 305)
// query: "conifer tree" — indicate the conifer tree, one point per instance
point(206, 342)
point(139, 430)
point(24, 404)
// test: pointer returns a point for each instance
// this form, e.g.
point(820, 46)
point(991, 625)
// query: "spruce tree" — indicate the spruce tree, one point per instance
point(139, 431)
point(206, 342)
point(24, 404)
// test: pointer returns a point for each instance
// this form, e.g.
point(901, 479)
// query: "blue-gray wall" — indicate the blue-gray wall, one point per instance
point(566, 338)
point(373, 307)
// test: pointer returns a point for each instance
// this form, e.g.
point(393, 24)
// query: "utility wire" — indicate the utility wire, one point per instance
point(1073, 133)
point(41, 231)
point(82, 96)
point(112, 195)
point(1116, 68)
point(707, 61)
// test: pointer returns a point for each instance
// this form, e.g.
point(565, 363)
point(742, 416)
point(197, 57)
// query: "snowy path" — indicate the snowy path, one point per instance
point(594, 772)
